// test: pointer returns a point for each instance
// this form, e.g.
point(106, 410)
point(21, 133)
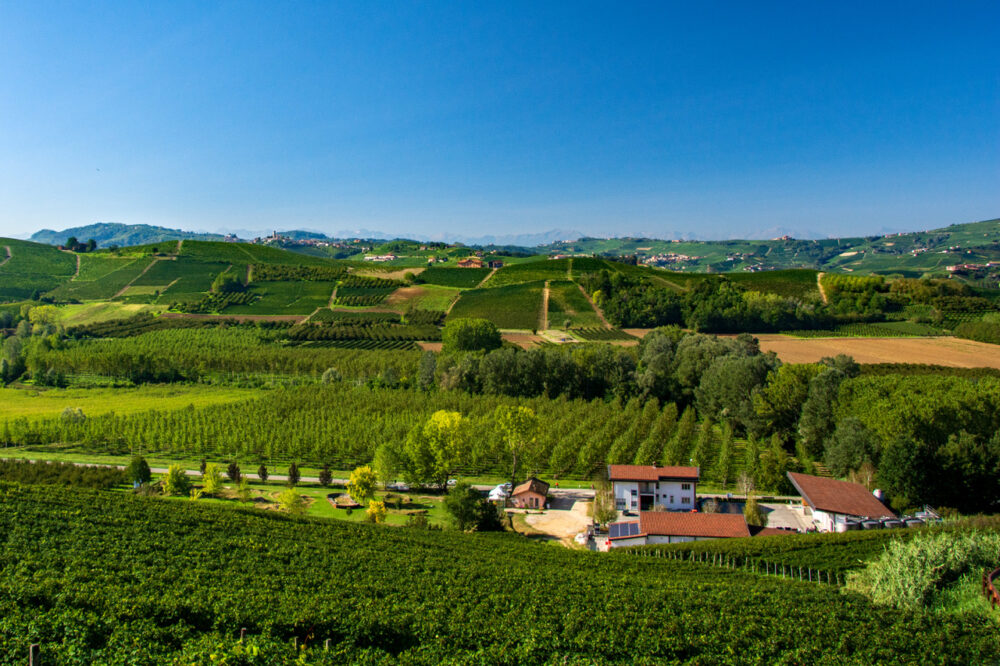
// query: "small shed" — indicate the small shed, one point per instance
point(530, 495)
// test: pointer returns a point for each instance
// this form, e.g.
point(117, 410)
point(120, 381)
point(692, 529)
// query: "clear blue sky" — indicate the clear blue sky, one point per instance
point(715, 119)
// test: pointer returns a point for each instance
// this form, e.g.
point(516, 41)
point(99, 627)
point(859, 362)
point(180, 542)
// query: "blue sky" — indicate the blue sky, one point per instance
point(709, 119)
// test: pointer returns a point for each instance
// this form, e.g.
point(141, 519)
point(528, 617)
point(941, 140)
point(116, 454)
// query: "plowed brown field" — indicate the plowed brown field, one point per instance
point(949, 351)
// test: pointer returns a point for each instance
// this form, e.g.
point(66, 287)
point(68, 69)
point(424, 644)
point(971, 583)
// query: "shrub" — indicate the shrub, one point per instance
point(375, 513)
point(211, 479)
point(176, 482)
point(291, 501)
point(233, 472)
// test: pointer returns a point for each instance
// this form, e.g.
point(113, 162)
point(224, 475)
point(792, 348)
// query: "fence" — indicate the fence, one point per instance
point(989, 589)
point(763, 567)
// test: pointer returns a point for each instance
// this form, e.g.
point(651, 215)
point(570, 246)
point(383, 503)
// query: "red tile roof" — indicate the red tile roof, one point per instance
point(532, 485)
point(843, 497)
point(712, 525)
point(650, 473)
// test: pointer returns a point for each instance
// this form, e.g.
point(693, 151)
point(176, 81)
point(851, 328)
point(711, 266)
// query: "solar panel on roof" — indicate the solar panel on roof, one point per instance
point(633, 529)
point(613, 530)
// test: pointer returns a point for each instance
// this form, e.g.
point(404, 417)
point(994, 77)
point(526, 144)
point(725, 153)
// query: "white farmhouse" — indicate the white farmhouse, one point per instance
point(642, 487)
point(832, 502)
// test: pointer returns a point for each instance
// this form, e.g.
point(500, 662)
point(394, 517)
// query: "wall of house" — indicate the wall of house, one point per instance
point(824, 521)
point(668, 494)
point(524, 500)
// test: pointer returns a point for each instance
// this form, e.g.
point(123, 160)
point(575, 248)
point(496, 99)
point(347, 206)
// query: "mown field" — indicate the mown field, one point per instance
point(516, 306)
point(51, 403)
point(90, 582)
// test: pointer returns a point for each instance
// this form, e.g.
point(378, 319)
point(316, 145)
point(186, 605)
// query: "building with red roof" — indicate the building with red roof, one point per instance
point(643, 487)
point(834, 502)
point(655, 527)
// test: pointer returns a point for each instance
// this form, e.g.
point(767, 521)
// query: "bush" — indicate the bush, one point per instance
point(176, 482)
point(211, 479)
point(909, 574)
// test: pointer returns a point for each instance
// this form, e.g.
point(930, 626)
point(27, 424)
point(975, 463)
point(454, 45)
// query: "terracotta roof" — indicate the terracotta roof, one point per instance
point(717, 525)
point(769, 531)
point(650, 473)
point(832, 496)
point(532, 485)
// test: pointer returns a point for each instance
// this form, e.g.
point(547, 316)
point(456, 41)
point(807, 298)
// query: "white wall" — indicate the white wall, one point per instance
point(668, 494)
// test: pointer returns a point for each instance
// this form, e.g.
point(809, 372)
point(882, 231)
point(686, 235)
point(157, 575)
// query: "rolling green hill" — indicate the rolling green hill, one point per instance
point(110, 233)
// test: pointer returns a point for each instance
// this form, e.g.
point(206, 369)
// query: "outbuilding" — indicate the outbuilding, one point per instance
point(530, 495)
point(834, 503)
point(655, 527)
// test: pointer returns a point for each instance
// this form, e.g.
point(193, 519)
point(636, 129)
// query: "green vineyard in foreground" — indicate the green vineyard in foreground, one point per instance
point(96, 577)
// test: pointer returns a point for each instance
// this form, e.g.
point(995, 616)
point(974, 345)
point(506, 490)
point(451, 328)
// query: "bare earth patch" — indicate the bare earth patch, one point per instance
point(638, 332)
point(404, 294)
point(523, 340)
point(949, 351)
point(431, 346)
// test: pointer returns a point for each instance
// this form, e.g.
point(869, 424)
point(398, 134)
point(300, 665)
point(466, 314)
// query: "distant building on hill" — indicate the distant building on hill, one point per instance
point(470, 262)
point(642, 487)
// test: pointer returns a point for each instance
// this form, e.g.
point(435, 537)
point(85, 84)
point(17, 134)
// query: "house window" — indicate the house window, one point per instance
point(620, 504)
point(685, 500)
point(671, 499)
point(685, 486)
point(634, 493)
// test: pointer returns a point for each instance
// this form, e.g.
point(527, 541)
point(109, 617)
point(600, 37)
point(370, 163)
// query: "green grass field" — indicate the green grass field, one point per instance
point(567, 302)
point(36, 404)
point(516, 306)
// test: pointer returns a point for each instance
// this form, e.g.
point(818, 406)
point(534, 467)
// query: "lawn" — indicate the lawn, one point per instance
point(516, 306)
point(93, 313)
point(37, 404)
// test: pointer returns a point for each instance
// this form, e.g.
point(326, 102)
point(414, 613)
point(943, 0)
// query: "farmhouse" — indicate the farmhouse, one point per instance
point(641, 487)
point(665, 527)
point(530, 495)
point(833, 502)
point(494, 263)
point(470, 262)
